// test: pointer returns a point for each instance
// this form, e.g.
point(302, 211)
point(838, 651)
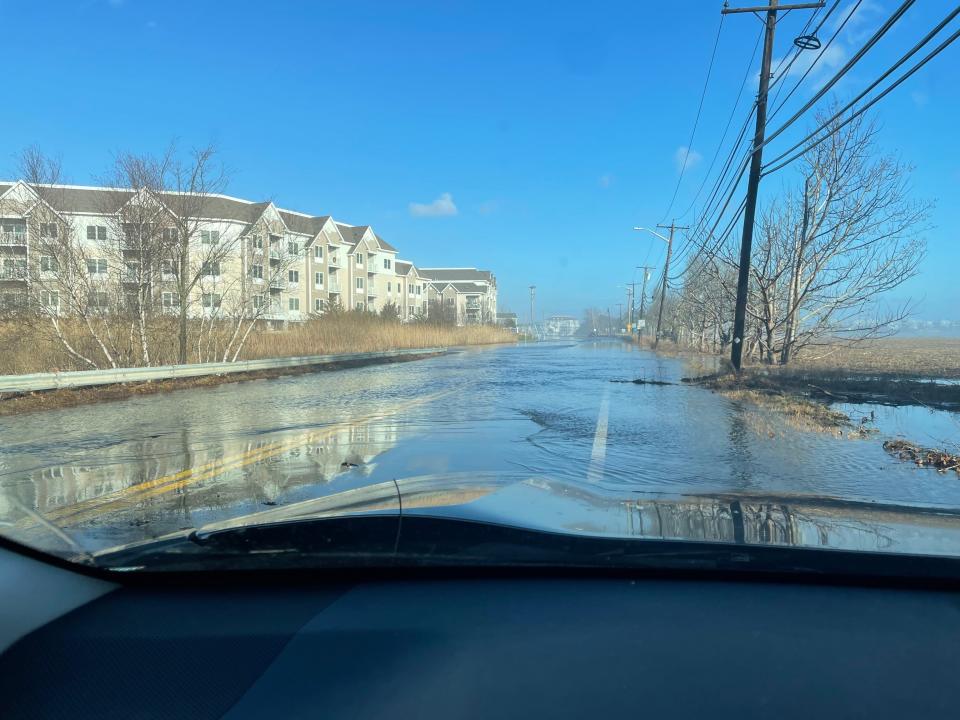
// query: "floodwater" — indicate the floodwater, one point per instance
point(117, 472)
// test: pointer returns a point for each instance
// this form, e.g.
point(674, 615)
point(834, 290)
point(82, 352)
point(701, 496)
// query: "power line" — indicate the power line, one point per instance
point(936, 51)
point(796, 55)
point(726, 129)
point(696, 121)
point(781, 72)
point(881, 31)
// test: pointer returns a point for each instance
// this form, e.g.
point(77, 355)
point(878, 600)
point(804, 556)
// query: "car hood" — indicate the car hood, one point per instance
point(541, 504)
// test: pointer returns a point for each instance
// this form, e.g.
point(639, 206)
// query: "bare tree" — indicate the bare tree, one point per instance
point(829, 252)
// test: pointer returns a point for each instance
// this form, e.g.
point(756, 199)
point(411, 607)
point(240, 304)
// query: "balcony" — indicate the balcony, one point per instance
point(333, 260)
point(13, 273)
point(13, 238)
point(278, 284)
point(372, 261)
point(332, 284)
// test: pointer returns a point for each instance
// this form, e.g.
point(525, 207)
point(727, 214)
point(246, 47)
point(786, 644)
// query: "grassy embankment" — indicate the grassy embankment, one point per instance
point(31, 352)
point(892, 371)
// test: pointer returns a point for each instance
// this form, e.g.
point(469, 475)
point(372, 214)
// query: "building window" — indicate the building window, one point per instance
point(293, 276)
point(210, 269)
point(361, 306)
point(256, 272)
point(170, 300)
point(48, 230)
point(386, 263)
point(209, 237)
point(168, 269)
point(257, 302)
point(293, 304)
point(318, 279)
point(97, 266)
point(318, 304)
point(359, 283)
point(388, 288)
point(169, 234)
point(211, 300)
point(256, 242)
point(293, 247)
point(131, 272)
point(96, 232)
point(360, 259)
point(417, 287)
point(48, 263)
point(97, 299)
point(50, 299)
point(318, 252)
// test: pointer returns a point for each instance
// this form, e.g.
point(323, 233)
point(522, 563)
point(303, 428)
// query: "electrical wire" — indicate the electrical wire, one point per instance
point(936, 51)
point(823, 50)
point(726, 129)
point(881, 31)
point(696, 121)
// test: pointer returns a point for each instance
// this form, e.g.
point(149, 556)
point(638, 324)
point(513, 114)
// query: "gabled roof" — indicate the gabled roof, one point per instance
point(384, 244)
point(306, 224)
point(402, 267)
point(353, 234)
point(468, 287)
point(457, 274)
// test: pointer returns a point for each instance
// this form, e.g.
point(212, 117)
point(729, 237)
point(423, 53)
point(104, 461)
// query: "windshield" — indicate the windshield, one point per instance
point(621, 272)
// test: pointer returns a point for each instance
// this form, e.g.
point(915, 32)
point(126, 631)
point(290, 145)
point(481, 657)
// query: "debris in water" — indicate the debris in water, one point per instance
point(940, 460)
point(641, 381)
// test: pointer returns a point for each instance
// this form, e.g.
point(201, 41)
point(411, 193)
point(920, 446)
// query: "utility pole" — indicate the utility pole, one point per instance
point(666, 273)
point(753, 183)
point(619, 316)
point(533, 319)
point(643, 293)
point(631, 291)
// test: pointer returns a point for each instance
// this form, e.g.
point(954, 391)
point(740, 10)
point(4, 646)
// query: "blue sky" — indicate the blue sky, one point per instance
point(526, 137)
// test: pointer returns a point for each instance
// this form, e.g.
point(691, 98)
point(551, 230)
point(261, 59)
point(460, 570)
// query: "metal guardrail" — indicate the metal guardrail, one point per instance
point(89, 378)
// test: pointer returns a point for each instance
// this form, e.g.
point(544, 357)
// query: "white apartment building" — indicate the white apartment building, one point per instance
point(469, 292)
point(253, 258)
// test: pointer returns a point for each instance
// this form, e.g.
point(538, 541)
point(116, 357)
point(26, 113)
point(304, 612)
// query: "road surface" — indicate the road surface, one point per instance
point(106, 474)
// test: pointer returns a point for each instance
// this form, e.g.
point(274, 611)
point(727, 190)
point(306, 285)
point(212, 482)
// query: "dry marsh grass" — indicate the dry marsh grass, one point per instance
point(26, 348)
point(908, 357)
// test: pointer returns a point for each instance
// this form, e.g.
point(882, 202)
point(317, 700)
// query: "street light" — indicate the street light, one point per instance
point(666, 270)
point(654, 232)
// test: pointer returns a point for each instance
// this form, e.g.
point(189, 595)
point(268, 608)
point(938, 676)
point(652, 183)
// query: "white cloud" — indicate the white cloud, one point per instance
point(443, 205)
point(605, 180)
point(685, 157)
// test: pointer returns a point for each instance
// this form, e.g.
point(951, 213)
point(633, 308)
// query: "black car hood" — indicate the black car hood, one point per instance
point(537, 504)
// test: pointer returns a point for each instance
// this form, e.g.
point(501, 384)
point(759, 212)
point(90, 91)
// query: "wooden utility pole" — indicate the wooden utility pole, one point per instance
point(619, 316)
point(643, 293)
point(753, 183)
point(666, 273)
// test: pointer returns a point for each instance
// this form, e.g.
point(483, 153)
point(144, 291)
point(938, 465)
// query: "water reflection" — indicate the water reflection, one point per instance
point(146, 466)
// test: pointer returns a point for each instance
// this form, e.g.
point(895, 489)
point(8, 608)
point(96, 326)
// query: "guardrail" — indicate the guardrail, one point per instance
point(89, 378)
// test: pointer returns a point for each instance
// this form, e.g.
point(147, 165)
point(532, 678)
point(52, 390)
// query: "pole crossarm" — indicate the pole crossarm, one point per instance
point(766, 8)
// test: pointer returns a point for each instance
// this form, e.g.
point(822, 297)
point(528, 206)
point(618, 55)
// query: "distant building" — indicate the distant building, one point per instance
point(561, 326)
point(472, 293)
point(507, 320)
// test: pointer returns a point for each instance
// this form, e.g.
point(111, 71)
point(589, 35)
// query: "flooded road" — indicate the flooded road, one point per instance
point(102, 475)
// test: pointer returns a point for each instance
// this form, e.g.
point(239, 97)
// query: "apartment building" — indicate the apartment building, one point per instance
point(249, 258)
point(469, 294)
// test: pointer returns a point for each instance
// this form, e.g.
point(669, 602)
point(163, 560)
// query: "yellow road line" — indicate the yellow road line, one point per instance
point(168, 483)
point(58, 513)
